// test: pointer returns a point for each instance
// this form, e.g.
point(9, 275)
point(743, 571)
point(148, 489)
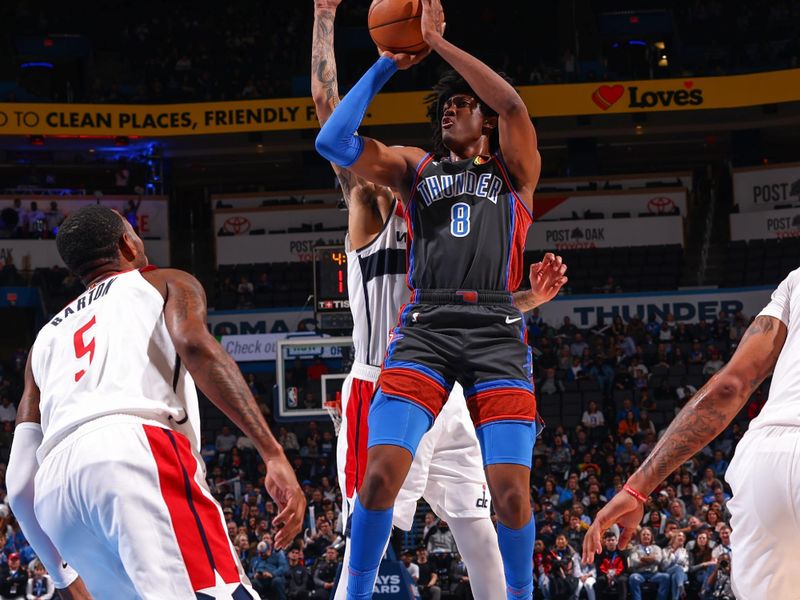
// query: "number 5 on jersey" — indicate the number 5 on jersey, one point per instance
point(459, 219)
point(82, 348)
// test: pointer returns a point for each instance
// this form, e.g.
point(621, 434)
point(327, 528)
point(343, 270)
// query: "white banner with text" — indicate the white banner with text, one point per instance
point(605, 233)
point(264, 347)
point(766, 225)
point(249, 322)
point(688, 306)
point(764, 188)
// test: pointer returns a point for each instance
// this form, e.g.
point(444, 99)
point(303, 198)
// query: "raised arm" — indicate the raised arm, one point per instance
point(339, 142)
point(324, 84)
point(517, 135)
point(22, 468)
point(703, 418)
point(368, 205)
point(217, 375)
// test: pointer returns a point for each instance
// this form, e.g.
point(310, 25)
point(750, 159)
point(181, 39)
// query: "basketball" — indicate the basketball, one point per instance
point(395, 25)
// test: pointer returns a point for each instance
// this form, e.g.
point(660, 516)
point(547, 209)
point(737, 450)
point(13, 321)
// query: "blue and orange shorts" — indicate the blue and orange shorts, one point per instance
point(475, 338)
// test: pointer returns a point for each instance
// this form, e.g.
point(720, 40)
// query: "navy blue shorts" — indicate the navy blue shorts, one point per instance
point(475, 338)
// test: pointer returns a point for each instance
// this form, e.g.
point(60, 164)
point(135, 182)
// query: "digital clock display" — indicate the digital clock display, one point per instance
point(330, 278)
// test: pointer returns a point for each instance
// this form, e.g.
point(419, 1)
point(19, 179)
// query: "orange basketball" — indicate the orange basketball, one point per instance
point(395, 25)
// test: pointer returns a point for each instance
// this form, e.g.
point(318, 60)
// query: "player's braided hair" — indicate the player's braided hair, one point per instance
point(89, 239)
point(450, 84)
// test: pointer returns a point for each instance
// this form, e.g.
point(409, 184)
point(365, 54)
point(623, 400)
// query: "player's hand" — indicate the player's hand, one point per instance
point(282, 485)
point(406, 61)
point(547, 278)
point(75, 591)
point(624, 510)
point(432, 22)
point(326, 4)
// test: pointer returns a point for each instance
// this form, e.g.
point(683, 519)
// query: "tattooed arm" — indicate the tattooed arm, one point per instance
point(369, 205)
point(703, 418)
point(324, 84)
point(712, 408)
point(219, 378)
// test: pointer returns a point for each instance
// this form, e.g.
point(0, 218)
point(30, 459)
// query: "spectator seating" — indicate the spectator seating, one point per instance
point(760, 262)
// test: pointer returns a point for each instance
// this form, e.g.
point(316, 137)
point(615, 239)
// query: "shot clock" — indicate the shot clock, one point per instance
point(331, 303)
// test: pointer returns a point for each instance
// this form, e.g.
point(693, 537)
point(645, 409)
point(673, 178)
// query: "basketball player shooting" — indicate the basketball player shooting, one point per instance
point(468, 210)
point(765, 468)
point(447, 469)
point(110, 411)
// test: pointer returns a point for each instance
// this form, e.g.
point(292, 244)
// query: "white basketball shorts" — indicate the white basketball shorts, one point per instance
point(447, 469)
point(764, 476)
point(125, 501)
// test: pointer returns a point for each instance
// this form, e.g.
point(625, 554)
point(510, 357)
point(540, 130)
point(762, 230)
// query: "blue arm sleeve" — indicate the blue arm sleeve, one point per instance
point(338, 140)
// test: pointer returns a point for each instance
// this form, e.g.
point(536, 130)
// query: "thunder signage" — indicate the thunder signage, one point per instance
point(688, 306)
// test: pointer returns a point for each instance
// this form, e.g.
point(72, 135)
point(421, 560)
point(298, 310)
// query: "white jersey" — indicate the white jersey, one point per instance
point(783, 405)
point(376, 283)
point(109, 352)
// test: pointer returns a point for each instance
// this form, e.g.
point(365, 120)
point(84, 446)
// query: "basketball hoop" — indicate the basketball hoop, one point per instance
point(334, 410)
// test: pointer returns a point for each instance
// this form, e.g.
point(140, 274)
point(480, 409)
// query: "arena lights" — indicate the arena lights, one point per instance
point(36, 65)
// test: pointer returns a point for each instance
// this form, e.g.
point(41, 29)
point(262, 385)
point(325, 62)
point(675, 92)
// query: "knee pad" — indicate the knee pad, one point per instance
point(507, 442)
point(395, 421)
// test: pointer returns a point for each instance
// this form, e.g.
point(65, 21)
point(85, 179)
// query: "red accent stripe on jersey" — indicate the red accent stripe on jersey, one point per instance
point(504, 172)
point(522, 222)
point(409, 244)
point(502, 404)
point(196, 519)
point(420, 168)
point(516, 259)
point(413, 386)
point(357, 434)
point(148, 268)
point(409, 222)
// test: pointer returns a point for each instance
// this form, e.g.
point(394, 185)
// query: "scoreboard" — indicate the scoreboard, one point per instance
point(331, 303)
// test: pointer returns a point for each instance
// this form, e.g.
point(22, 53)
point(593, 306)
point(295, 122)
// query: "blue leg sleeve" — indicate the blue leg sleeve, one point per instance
point(507, 442)
point(371, 530)
point(516, 548)
point(397, 422)
point(338, 140)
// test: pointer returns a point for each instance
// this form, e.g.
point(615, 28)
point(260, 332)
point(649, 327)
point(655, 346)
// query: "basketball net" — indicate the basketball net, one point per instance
point(334, 410)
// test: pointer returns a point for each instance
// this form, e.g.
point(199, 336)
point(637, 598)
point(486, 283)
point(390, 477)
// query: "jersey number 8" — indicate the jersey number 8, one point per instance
point(459, 219)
